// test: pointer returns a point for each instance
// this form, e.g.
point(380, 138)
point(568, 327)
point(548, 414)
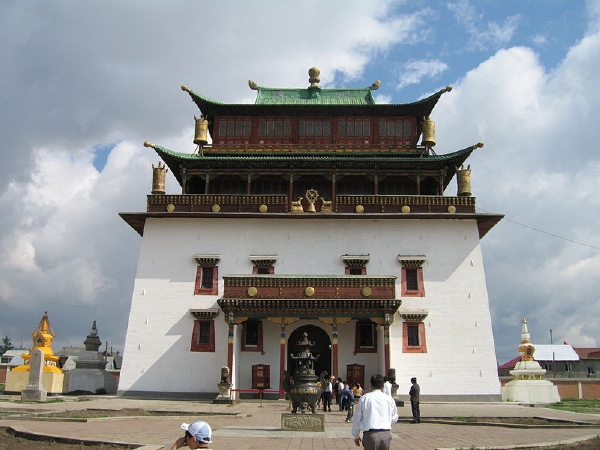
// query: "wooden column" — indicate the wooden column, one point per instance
point(207, 184)
point(183, 180)
point(334, 349)
point(282, 357)
point(290, 191)
point(333, 192)
point(386, 347)
point(230, 344)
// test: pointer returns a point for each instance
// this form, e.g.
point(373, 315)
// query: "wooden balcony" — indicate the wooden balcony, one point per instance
point(282, 204)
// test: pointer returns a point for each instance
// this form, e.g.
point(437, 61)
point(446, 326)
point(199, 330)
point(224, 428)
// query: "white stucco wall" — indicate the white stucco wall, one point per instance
point(460, 358)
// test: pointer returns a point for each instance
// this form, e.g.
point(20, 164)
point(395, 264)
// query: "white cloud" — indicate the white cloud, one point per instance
point(79, 77)
point(483, 35)
point(541, 169)
point(414, 71)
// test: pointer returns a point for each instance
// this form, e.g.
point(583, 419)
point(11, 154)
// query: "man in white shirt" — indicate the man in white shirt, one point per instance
point(374, 415)
point(387, 386)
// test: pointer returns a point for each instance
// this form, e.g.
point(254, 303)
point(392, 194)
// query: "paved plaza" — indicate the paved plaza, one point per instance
point(254, 425)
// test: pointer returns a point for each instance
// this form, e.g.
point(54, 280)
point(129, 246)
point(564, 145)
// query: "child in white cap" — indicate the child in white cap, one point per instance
point(197, 435)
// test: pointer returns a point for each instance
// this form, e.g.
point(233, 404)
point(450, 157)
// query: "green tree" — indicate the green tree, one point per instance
point(6, 345)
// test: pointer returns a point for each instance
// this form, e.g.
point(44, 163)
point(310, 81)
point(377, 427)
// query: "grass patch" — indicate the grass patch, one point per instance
point(587, 406)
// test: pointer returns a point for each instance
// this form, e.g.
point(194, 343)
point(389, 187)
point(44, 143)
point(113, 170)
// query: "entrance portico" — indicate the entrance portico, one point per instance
point(333, 300)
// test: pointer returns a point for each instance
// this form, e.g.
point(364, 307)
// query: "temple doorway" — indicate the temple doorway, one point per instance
point(322, 347)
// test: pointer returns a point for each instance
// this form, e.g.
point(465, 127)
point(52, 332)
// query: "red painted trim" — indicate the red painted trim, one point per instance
point(420, 292)
point(422, 347)
point(199, 290)
point(230, 348)
point(386, 347)
point(197, 347)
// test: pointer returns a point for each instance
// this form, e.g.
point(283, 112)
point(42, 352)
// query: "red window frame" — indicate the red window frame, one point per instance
point(199, 289)
point(420, 291)
point(203, 347)
point(422, 347)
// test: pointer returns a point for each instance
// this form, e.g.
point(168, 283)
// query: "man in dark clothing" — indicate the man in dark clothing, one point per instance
point(415, 392)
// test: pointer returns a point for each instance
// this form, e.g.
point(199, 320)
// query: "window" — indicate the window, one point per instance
point(234, 130)
point(396, 131)
point(203, 336)
point(591, 371)
point(207, 280)
point(252, 336)
point(365, 338)
point(413, 337)
point(412, 284)
point(207, 274)
point(355, 264)
point(263, 264)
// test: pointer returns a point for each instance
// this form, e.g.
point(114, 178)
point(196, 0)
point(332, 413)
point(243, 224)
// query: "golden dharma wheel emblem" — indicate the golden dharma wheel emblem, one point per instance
point(309, 291)
point(359, 209)
point(451, 209)
point(366, 291)
point(170, 207)
point(252, 291)
point(405, 209)
point(216, 208)
point(263, 208)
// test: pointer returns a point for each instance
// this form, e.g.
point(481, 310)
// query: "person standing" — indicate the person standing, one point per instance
point(387, 386)
point(374, 416)
point(415, 393)
point(349, 402)
point(327, 395)
point(197, 435)
point(339, 394)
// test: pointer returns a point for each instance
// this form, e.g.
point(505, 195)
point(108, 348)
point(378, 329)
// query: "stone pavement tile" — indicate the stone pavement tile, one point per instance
point(249, 425)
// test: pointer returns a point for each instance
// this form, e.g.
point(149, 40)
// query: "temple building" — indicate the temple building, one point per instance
point(316, 211)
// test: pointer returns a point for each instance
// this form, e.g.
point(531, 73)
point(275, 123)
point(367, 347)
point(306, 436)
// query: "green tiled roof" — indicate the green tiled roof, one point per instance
point(314, 96)
point(316, 161)
point(314, 101)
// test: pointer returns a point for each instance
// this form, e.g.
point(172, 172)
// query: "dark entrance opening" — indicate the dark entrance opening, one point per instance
point(322, 348)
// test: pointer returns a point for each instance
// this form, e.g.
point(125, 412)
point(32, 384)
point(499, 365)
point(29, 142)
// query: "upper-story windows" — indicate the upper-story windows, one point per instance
point(274, 131)
point(355, 131)
point(351, 131)
point(234, 131)
point(397, 131)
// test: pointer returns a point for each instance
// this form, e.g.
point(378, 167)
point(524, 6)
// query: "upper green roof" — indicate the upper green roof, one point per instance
point(314, 95)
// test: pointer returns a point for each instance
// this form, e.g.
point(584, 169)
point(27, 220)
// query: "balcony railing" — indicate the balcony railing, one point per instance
point(282, 204)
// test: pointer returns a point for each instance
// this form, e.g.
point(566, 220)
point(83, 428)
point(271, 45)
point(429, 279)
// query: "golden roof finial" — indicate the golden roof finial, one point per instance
point(313, 74)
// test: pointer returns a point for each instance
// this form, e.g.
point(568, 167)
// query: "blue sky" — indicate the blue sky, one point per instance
point(83, 85)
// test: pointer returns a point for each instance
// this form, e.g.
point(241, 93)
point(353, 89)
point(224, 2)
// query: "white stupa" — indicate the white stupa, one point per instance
point(528, 384)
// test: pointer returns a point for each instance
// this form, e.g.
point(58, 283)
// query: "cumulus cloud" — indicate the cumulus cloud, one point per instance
point(82, 83)
point(540, 168)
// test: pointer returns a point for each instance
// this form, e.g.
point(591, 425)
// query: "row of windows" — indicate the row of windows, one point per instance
point(401, 128)
point(411, 279)
point(244, 130)
point(365, 337)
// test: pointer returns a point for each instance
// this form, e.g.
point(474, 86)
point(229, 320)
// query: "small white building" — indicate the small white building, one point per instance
point(314, 210)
